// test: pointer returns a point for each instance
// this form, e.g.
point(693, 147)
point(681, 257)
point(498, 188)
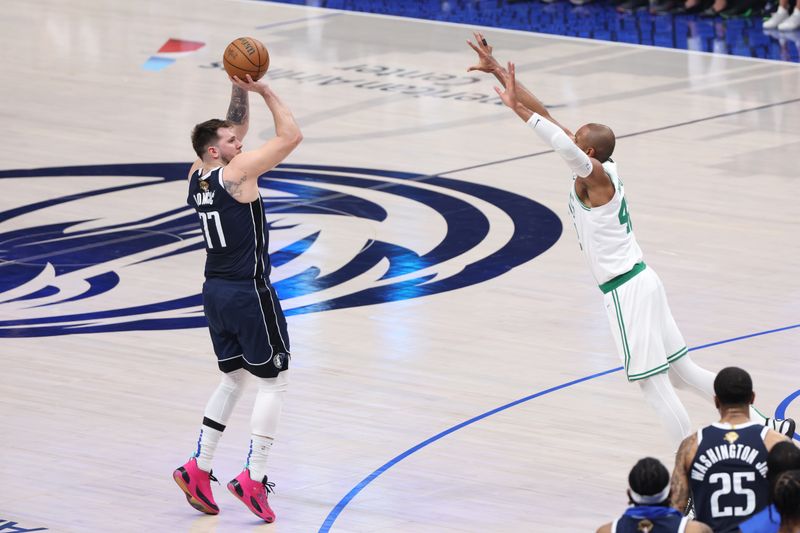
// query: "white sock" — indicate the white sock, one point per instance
point(264, 422)
point(207, 444)
point(782, 9)
point(218, 410)
point(661, 396)
point(257, 458)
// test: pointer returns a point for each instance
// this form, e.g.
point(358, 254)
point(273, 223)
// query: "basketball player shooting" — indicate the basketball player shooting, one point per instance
point(247, 325)
point(648, 341)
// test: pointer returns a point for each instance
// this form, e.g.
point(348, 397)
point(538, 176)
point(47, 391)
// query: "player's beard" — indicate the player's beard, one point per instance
point(226, 160)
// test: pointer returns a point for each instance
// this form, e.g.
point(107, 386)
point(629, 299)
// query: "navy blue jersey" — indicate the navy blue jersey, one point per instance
point(729, 474)
point(673, 523)
point(235, 233)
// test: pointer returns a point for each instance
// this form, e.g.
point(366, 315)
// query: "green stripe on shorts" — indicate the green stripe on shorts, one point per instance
point(677, 355)
point(649, 373)
point(623, 334)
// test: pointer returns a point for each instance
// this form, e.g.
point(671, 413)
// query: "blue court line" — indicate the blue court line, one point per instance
point(767, 332)
point(337, 510)
point(780, 412)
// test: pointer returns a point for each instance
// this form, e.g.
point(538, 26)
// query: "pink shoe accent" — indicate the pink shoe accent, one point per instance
point(196, 485)
point(253, 494)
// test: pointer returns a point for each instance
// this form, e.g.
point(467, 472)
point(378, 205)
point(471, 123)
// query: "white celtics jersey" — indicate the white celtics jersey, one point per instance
point(605, 233)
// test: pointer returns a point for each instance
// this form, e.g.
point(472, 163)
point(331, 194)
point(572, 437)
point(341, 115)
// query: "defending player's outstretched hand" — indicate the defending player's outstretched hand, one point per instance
point(509, 96)
point(486, 62)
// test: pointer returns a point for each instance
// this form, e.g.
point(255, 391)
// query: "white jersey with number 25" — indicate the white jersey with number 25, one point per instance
point(605, 233)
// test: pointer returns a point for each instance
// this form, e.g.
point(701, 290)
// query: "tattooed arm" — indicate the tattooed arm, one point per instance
point(238, 187)
point(680, 491)
point(239, 111)
point(242, 173)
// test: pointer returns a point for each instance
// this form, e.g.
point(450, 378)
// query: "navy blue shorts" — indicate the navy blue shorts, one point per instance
point(247, 326)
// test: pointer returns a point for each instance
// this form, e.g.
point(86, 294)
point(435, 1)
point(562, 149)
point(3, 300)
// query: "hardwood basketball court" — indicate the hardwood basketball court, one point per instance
point(474, 293)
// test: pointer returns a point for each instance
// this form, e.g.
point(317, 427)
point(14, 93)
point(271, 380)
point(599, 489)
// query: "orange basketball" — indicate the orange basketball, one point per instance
point(244, 56)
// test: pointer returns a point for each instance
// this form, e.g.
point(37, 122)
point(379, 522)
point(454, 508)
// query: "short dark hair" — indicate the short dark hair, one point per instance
point(648, 477)
point(205, 134)
point(782, 457)
point(733, 386)
point(786, 495)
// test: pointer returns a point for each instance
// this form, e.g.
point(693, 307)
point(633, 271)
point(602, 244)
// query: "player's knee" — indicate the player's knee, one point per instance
point(274, 385)
point(676, 378)
point(234, 380)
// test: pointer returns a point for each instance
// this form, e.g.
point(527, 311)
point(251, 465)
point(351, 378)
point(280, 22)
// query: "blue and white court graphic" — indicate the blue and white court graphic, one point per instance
point(339, 237)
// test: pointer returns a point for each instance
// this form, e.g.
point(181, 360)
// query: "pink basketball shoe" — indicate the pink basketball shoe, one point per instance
point(196, 484)
point(253, 494)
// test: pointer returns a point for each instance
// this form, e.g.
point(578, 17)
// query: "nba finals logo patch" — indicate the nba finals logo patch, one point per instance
point(644, 526)
point(731, 437)
point(122, 250)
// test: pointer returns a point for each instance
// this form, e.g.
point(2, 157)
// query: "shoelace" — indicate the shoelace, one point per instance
point(779, 425)
point(269, 486)
point(212, 478)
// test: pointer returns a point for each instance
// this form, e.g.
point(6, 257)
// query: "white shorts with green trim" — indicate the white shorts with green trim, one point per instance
point(645, 333)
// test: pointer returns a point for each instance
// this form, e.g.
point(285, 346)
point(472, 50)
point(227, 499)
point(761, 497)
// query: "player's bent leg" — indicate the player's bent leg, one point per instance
point(218, 410)
point(264, 421)
point(686, 374)
point(251, 486)
point(662, 398)
point(195, 476)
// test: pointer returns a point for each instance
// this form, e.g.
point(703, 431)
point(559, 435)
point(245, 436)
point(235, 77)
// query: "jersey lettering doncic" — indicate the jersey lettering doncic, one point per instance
point(235, 233)
point(605, 233)
point(729, 474)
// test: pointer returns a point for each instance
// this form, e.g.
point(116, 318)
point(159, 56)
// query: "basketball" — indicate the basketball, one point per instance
point(244, 56)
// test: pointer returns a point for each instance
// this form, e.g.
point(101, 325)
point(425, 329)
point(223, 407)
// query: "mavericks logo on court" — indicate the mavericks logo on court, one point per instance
point(122, 250)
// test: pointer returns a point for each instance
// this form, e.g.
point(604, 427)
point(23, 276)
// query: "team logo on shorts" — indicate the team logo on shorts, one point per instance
point(279, 360)
point(127, 252)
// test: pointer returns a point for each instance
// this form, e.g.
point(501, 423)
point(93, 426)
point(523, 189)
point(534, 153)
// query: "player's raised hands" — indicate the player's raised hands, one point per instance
point(509, 96)
point(249, 84)
point(486, 61)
